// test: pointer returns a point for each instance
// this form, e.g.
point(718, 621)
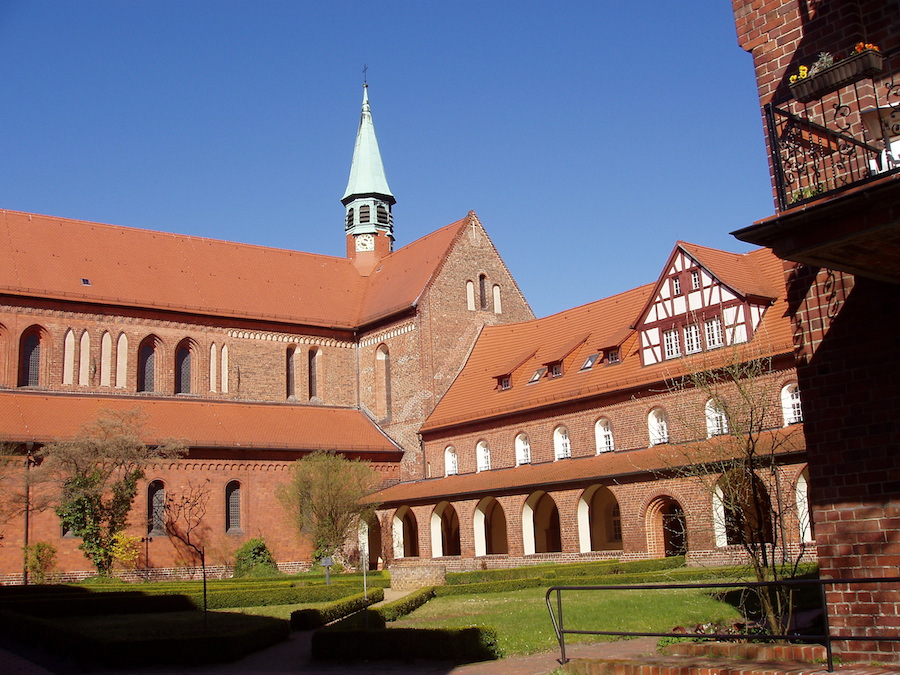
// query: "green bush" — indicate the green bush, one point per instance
point(453, 644)
point(40, 561)
point(305, 619)
point(253, 559)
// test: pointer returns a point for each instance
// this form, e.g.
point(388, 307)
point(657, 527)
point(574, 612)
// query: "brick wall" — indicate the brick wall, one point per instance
point(845, 334)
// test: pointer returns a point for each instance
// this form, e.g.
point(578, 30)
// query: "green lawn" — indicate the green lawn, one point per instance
point(524, 626)
point(276, 611)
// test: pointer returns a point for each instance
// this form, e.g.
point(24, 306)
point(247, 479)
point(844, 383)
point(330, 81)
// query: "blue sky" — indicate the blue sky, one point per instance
point(587, 136)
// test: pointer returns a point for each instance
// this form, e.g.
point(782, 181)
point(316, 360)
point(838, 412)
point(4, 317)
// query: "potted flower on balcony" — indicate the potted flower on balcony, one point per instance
point(828, 74)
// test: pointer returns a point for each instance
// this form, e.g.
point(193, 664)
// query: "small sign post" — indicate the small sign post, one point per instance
point(327, 563)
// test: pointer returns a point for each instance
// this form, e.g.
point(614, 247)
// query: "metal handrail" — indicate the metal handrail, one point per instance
point(826, 637)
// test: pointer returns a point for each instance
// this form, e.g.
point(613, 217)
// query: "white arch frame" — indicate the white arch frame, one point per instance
point(451, 461)
point(791, 405)
point(716, 420)
point(523, 449)
point(658, 426)
point(483, 456)
point(603, 435)
point(562, 446)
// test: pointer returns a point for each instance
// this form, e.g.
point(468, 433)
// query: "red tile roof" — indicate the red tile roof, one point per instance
point(474, 394)
point(42, 417)
point(44, 256)
point(657, 459)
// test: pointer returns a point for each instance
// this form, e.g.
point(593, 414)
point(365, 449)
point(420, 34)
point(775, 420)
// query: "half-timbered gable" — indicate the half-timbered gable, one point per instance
point(704, 299)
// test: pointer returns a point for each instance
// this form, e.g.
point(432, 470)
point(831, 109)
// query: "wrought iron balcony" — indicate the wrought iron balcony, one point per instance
point(840, 129)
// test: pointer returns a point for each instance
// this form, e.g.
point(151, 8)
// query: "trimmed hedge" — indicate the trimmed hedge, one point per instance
point(392, 611)
point(464, 645)
point(305, 619)
point(569, 570)
point(65, 639)
point(131, 602)
point(95, 605)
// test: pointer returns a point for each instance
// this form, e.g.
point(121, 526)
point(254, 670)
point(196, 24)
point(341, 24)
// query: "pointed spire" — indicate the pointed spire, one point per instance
point(367, 175)
point(369, 222)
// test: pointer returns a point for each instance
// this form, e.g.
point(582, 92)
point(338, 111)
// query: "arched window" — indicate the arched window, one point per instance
point(804, 515)
point(658, 426)
point(156, 507)
point(742, 511)
point(121, 361)
point(183, 359)
point(146, 380)
point(523, 450)
point(364, 213)
point(483, 455)
point(451, 462)
point(482, 291)
point(84, 360)
point(382, 215)
point(69, 357)
point(105, 359)
point(791, 409)
point(213, 365)
point(603, 435)
point(716, 420)
point(382, 382)
point(224, 369)
point(30, 358)
point(290, 373)
point(562, 449)
point(233, 507)
point(313, 359)
point(470, 295)
point(498, 307)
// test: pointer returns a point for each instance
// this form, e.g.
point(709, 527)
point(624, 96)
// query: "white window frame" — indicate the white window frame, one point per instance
point(714, 335)
point(562, 447)
point(604, 436)
point(523, 450)
point(483, 456)
point(716, 420)
point(791, 407)
point(692, 341)
point(672, 343)
point(658, 427)
point(695, 280)
point(451, 461)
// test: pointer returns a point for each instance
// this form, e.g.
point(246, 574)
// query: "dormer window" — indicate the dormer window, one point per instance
point(676, 286)
point(589, 361)
point(556, 369)
point(612, 356)
point(505, 383)
point(538, 374)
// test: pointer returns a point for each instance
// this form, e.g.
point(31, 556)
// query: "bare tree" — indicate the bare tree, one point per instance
point(326, 495)
point(98, 472)
point(739, 463)
point(185, 514)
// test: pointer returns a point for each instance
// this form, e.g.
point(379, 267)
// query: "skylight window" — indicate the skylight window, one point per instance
point(589, 361)
point(85, 282)
point(538, 374)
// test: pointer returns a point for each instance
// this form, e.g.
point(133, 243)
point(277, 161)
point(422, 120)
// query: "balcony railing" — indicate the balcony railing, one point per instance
point(842, 137)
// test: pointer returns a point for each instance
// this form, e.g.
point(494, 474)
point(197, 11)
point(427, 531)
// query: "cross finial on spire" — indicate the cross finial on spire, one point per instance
point(365, 68)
